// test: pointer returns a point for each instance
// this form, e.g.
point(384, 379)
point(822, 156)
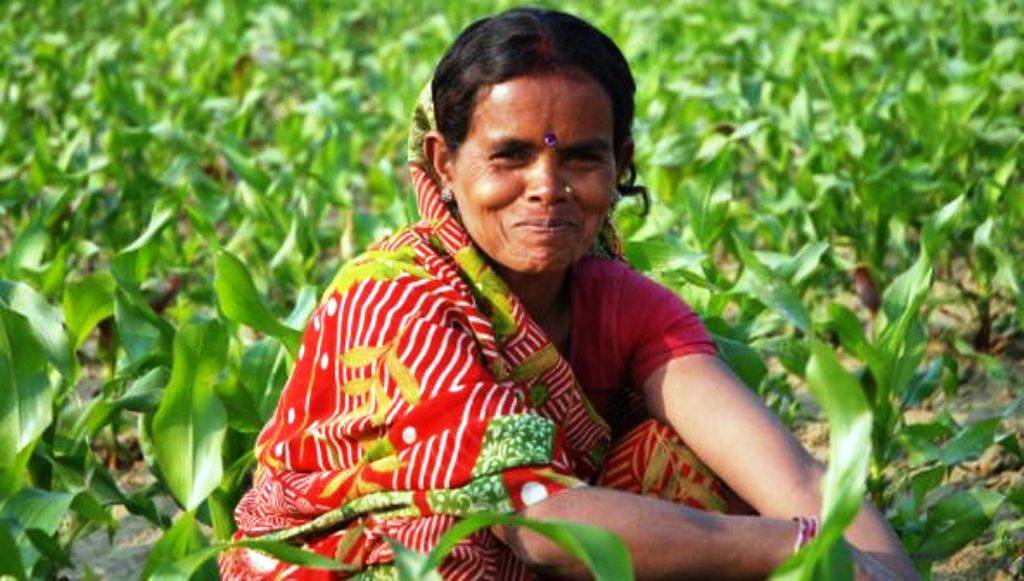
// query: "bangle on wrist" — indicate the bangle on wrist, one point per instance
point(807, 530)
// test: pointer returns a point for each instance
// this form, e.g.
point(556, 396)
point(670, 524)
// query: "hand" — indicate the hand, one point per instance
point(868, 568)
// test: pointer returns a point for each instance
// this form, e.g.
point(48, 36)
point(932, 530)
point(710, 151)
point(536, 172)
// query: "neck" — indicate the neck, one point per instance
point(543, 295)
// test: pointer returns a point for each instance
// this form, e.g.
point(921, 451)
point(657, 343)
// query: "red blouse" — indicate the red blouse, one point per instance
point(624, 327)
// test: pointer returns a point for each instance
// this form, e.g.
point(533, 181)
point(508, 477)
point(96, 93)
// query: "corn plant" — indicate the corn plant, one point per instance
point(178, 181)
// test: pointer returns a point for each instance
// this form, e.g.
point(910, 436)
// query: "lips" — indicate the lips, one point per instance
point(551, 226)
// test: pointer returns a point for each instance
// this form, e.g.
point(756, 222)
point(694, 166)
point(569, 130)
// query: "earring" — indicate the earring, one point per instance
point(447, 195)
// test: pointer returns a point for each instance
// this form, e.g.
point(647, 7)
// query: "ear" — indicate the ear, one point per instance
point(440, 158)
point(623, 158)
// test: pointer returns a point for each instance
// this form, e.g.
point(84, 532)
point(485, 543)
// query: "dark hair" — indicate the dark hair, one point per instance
point(525, 41)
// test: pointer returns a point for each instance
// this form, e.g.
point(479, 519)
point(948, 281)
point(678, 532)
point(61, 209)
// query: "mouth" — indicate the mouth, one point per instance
point(548, 226)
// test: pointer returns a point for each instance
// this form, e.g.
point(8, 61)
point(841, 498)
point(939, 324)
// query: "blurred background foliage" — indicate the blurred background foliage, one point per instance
point(179, 180)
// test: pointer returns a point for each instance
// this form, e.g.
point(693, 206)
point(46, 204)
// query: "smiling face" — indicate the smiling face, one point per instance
point(534, 207)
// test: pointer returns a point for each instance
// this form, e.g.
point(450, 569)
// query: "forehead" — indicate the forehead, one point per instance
point(575, 107)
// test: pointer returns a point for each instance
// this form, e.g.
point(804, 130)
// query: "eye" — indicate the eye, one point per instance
point(509, 156)
point(586, 158)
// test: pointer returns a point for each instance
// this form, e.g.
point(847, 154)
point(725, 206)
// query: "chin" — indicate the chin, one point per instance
point(544, 265)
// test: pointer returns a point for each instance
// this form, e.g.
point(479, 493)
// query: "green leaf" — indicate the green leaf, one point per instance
point(604, 553)
point(264, 373)
point(47, 324)
point(844, 485)
point(412, 566)
point(743, 360)
point(802, 265)
point(26, 397)
point(162, 213)
point(851, 334)
point(48, 547)
point(305, 302)
point(241, 302)
point(955, 521)
point(970, 442)
point(766, 287)
point(189, 425)
point(34, 508)
point(901, 301)
point(711, 146)
point(27, 250)
point(142, 333)
point(145, 393)
point(708, 208)
point(10, 564)
point(87, 504)
point(924, 482)
point(87, 302)
point(183, 538)
point(289, 553)
point(939, 225)
point(245, 168)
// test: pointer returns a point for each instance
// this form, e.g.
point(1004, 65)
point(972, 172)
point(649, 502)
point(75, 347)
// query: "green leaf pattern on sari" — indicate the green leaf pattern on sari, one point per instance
point(519, 440)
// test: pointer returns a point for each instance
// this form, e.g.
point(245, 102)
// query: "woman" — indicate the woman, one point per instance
point(470, 361)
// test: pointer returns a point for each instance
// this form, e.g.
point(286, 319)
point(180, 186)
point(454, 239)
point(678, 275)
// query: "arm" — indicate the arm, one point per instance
point(743, 442)
point(732, 431)
point(665, 540)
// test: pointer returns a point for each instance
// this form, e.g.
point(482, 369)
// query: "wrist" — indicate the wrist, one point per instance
point(807, 529)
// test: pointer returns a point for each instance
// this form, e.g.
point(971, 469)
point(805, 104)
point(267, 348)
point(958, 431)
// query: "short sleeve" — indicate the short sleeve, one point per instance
point(658, 327)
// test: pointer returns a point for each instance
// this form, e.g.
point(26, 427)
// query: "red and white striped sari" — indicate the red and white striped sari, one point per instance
point(422, 392)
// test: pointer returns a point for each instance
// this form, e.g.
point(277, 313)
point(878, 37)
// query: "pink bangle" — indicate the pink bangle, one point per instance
point(808, 529)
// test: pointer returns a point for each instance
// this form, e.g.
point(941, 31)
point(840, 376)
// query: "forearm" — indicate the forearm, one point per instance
point(665, 540)
point(868, 532)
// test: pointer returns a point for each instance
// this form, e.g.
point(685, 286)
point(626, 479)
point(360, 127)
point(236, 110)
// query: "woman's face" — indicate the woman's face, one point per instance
point(535, 207)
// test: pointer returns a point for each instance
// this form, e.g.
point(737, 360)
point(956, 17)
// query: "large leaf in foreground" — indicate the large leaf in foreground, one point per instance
point(601, 551)
point(189, 425)
point(26, 395)
point(844, 484)
point(46, 323)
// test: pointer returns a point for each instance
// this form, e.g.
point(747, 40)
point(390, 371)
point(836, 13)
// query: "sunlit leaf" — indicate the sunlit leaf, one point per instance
point(46, 324)
point(241, 302)
point(26, 396)
point(162, 213)
point(87, 302)
point(188, 427)
point(844, 484)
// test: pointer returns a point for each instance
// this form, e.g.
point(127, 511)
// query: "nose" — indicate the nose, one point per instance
point(547, 185)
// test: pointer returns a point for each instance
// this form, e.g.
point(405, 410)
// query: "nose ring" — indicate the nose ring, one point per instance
point(568, 190)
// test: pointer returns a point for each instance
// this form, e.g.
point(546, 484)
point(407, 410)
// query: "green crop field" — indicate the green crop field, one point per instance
point(838, 189)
